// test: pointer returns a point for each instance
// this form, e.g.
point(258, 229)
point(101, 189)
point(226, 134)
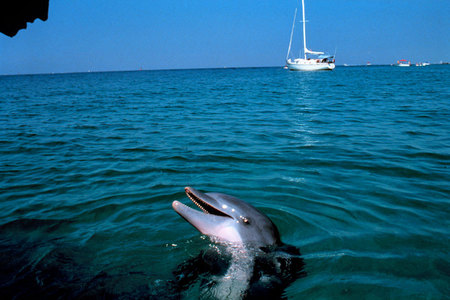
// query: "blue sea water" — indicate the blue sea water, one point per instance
point(351, 165)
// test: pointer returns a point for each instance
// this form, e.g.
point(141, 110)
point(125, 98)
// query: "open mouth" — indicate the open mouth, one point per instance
point(203, 205)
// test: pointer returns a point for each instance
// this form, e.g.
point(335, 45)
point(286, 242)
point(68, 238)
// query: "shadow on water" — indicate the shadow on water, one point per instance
point(35, 263)
point(45, 270)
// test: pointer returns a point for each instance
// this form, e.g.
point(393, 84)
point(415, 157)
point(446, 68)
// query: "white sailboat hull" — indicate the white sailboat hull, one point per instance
point(309, 65)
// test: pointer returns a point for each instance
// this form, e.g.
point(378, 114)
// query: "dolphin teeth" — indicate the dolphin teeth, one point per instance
point(201, 207)
point(198, 204)
point(206, 207)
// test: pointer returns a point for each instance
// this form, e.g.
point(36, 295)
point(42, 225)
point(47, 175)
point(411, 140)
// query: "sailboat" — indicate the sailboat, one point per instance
point(319, 61)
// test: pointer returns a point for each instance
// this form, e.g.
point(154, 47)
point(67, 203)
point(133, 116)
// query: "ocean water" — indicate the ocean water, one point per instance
point(351, 165)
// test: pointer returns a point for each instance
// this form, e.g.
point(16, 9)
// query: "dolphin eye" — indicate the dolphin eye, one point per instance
point(245, 220)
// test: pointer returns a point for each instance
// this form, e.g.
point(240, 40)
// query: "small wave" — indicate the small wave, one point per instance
point(435, 155)
point(86, 127)
point(53, 143)
point(25, 226)
point(138, 150)
point(418, 133)
point(294, 179)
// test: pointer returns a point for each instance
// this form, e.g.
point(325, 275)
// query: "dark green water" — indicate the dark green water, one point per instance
point(351, 165)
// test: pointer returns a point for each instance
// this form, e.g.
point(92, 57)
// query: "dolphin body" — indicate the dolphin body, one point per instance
point(249, 261)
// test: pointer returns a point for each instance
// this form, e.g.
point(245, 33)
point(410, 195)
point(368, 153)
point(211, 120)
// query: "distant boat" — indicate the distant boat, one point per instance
point(403, 63)
point(422, 64)
point(319, 62)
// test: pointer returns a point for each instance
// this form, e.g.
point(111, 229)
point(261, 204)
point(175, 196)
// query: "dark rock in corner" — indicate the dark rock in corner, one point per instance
point(14, 14)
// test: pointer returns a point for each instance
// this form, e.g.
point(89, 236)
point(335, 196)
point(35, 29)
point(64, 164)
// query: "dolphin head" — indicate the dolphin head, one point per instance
point(228, 219)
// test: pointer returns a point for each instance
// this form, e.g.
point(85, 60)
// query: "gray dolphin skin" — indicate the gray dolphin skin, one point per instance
point(228, 219)
point(250, 261)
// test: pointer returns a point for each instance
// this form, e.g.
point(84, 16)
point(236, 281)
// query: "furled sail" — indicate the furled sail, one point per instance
point(313, 52)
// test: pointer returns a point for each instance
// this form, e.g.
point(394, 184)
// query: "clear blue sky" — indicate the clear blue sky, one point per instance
point(102, 35)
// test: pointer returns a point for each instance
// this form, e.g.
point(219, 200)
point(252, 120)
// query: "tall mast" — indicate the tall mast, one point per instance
point(304, 28)
point(292, 32)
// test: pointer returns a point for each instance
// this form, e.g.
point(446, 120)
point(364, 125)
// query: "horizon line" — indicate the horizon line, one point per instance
point(187, 69)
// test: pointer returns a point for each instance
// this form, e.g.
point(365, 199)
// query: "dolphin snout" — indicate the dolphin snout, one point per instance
point(175, 204)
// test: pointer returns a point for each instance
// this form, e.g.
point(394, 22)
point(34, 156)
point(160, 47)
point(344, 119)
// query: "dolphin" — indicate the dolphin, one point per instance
point(228, 219)
point(254, 263)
